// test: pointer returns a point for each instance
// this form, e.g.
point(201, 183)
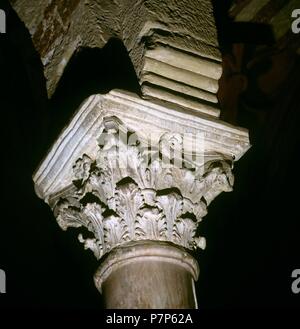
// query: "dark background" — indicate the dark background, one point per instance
point(253, 233)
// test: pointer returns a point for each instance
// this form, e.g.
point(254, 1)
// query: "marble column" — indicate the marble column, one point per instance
point(139, 176)
point(149, 274)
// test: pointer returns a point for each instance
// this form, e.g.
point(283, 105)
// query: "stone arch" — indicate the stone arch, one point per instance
point(173, 45)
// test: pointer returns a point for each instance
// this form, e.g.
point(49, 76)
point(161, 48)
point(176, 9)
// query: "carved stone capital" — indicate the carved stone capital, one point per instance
point(133, 191)
point(127, 183)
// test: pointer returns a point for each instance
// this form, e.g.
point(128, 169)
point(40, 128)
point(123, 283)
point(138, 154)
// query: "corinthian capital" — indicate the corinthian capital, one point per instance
point(128, 171)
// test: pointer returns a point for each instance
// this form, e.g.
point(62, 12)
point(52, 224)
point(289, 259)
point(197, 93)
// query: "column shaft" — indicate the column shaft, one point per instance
point(147, 276)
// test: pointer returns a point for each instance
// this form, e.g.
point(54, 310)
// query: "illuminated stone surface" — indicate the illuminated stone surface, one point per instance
point(130, 171)
point(138, 173)
point(172, 45)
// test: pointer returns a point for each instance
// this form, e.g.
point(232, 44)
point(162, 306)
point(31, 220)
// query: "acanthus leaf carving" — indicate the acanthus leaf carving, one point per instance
point(128, 201)
point(151, 224)
point(116, 232)
point(139, 197)
point(184, 232)
point(172, 206)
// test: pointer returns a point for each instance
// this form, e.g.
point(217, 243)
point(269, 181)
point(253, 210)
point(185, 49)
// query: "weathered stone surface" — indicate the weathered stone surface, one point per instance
point(175, 41)
point(155, 186)
point(169, 42)
point(58, 28)
point(31, 15)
